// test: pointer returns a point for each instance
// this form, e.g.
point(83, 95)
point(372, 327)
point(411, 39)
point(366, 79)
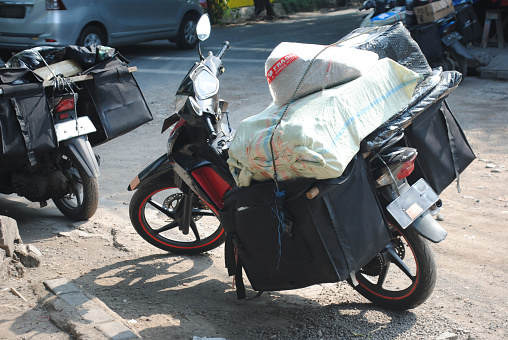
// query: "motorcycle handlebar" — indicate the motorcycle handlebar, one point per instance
point(223, 50)
point(209, 128)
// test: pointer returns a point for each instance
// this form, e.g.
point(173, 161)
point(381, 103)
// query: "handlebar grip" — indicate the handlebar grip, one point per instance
point(223, 50)
point(210, 128)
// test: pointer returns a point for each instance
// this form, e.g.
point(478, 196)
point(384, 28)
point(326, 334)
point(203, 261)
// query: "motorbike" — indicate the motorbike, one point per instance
point(178, 197)
point(451, 55)
point(66, 171)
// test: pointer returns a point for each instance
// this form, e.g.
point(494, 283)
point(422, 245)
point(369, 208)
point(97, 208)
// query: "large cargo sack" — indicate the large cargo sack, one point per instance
point(309, 241)
point(331, 66)
point(320, 133)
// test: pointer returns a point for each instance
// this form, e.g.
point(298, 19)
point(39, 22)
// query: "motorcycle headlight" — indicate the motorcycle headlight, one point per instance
point(180, 100)
point(206, 84)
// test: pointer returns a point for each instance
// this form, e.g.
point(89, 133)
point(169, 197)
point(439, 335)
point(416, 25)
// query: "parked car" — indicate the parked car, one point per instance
point(29, 23)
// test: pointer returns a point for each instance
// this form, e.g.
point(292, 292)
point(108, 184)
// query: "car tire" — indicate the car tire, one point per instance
point(187, 38)
point(91, 35)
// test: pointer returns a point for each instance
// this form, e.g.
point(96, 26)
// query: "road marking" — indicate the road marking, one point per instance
point(228, 60)
point(160, 71)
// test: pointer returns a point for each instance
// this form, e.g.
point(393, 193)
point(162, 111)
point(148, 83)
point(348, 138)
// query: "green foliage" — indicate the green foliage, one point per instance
point(292, 6)
point(219, 10)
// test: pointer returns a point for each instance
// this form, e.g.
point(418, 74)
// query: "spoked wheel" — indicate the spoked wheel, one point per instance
point(82, 199)
point(402, 276)
point(156, 211)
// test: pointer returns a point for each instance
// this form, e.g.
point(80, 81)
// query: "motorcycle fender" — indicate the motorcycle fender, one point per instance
point(427, 226)
point(162, 166)
point(82, 150)
point(461, 50)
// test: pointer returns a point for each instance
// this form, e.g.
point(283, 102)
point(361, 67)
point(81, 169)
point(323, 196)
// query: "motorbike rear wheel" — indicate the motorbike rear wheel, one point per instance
point(82, 200)
point(155, 214)
point(401, 277)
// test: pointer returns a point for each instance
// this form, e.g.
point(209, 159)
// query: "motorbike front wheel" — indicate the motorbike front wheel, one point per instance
point(82, 199)
point(155, 211)
point(402, 276)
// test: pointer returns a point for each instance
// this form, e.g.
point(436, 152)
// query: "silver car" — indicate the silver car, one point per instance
point(29, 23)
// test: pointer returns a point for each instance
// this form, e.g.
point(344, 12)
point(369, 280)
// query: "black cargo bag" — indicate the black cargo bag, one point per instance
point(26, 125)
point(292, 241)
point(113, 101)
point(443, 150)
point(428, 38)
point(468, 24)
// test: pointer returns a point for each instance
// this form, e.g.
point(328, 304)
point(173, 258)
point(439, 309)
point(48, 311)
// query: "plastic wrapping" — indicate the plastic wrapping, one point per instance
point(287, 68)
point(437, 86)
point(38, 57)
point(392, 42)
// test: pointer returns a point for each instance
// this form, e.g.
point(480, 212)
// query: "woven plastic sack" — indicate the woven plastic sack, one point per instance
point(288, 62)
point(320, 133)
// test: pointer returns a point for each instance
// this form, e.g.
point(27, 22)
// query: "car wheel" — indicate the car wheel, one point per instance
point(187, 37)
point(91, 35)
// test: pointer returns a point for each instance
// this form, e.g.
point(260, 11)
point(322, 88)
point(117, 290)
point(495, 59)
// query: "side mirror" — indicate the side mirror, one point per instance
point(203, 27)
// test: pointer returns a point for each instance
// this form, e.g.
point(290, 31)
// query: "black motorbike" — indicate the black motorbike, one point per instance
point(45, 149)
point(179, 200)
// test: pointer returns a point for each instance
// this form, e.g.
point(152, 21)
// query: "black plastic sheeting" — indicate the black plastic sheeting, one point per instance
point(395, 42)
point(38, 57)
point(435, 87)
point(392, 42)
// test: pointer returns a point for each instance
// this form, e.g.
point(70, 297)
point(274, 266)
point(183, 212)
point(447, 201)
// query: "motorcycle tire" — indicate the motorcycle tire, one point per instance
point(384, 285)
point(153, 213)
point(83, 198)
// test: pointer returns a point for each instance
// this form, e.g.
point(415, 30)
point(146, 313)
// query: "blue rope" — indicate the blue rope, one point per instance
point(279, 214)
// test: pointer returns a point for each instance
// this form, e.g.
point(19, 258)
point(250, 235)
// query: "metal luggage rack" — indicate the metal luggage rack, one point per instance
point(74, 79)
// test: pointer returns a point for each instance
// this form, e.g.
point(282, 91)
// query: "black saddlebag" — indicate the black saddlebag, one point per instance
point(443, 150)
point(292, 241)
point(26, 125)
point(428, 38)
point(112, 100)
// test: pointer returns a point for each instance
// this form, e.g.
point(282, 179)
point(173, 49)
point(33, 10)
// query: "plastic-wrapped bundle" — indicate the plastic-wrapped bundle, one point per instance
point(392, 42)
point(437, 86)
point(320, 133)
point(38, 57)
point(289, 62)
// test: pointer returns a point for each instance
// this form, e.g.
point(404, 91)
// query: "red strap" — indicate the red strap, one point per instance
point(280, 65)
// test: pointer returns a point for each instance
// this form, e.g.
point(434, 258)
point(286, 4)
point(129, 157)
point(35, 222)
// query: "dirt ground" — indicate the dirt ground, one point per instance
point(164, 296)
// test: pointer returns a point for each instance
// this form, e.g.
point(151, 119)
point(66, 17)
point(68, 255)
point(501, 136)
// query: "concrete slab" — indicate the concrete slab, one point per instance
point(84, 316)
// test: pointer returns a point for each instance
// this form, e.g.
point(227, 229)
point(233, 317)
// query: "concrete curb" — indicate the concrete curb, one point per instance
point(84, 316)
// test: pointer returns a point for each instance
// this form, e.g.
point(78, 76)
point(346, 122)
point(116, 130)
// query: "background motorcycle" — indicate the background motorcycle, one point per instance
point(68, 174)
point(451, 55)
point(178, 196)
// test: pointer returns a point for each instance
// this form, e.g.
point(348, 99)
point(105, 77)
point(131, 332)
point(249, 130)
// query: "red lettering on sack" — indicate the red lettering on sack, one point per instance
point(280, 65)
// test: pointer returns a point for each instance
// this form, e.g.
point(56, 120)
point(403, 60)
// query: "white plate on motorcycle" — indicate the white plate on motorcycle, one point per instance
point(413, 203)
point(73, 128)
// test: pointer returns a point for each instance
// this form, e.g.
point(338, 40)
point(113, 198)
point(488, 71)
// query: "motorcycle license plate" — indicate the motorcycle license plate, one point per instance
point(410, 205)
point(73, 128)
